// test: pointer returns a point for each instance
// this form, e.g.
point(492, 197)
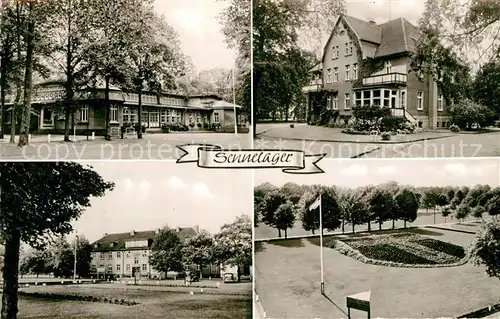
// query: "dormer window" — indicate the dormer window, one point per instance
point(388, 66)
point(346, 48)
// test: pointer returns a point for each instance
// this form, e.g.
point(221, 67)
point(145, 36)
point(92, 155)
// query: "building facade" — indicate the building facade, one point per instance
point(365, 63)
point(125, 255)
point(199, 113)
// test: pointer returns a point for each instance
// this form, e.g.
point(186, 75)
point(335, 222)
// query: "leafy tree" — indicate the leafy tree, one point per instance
point(466, 112)
point(166, 251)
point(285, 216)
point(40, 200)
point(493, 206)
point(354, 207)
point(382, 206)
point(329, 207)
point(83, 256)
point(259, 194)
point(61, 258)
point(293, 192)
point(269, 206)
point(458, 198)
point(199, 250)
point(462, 212)
point(487, 86)
point(408, 204)
point(233, 243)
point(445, 213)
point(485, 249)
point(478, 212)
point(35, 261)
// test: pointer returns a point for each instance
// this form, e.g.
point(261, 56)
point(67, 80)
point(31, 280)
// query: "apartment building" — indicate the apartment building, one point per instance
point(365, 63)
point(127, 255)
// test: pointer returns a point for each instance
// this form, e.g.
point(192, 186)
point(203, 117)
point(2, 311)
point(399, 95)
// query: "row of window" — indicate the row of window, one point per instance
point(348, 76)
point(119, 267)
point(348, 49)
point(153, 99)
point(386, 98)
point(119, 254)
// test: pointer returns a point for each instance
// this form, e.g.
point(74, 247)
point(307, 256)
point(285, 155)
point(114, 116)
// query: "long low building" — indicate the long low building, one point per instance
point(195, 113)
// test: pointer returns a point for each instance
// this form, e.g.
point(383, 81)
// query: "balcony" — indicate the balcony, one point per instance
point(313, 86)
point(390, 78)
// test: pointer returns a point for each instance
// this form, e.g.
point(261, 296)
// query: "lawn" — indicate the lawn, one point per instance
point(288, 283)
point(153, 302)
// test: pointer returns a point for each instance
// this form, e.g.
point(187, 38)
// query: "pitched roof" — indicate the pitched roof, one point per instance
point(118, 240)
point(365, 30)
point(392, 37)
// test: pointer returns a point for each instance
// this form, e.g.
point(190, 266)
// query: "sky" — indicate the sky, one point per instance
point(199, 31)
point(384, 10)
point(416, 172)
point(150, 194)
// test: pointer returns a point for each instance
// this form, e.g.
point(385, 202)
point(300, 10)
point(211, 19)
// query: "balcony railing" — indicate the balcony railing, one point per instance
point(390, 78)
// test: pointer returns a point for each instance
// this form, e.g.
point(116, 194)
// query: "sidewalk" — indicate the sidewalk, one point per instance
point(325, 134)
point(45, 138)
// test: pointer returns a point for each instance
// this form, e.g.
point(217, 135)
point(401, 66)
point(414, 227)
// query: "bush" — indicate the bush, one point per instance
point(216, 126)
point(393, 123)
point(165, 128)
point(386, 136)
point(199, 125)
point(206, 126)
point(191, 125)
point(140, 127)
point(454, 128)
point(497, 123)
point(292, 125)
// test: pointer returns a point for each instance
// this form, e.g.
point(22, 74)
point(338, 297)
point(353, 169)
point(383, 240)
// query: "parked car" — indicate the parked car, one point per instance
point(229, 277)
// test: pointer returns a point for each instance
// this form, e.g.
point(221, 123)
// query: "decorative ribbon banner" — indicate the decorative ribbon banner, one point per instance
point(213, 156)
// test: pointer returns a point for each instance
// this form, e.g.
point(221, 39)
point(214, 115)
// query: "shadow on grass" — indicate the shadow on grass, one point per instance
point(293, 243)
point(423, 231)
point(336, 306)
point(326, 240)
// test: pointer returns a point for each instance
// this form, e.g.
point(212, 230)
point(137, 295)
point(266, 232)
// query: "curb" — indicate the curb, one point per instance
point(452, 229)
point(356, 142)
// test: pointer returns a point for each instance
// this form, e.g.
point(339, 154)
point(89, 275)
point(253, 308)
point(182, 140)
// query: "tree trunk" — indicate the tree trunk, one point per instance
point(279, 233)
point(201, 271)
point(3, 89)
point(369, 225)
point(312, 231)
point(380, 225)
point(107, 127)
point(393, 223)
point(353, 225)
point(405, 224)
point(285, 234)
point(139, 113)
point(343, 226)
point(253, 119)
point(11, 275)
point(69, 83)
point(26, 111)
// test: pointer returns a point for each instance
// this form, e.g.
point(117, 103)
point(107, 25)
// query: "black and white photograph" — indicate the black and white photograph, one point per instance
point(377, 79)
point(124, 239)
point(123, 79)
point(409, 238)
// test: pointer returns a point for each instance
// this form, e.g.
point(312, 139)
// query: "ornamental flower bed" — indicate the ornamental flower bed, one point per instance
point(402, 250)
point(72, 297)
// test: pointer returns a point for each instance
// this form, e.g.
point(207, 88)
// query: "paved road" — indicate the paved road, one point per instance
point(152, 146)
point(464, 145)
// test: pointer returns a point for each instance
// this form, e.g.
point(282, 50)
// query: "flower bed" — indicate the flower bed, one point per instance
point(447, 248)
point(401, 250)
point(72, 297)
point(173, 286)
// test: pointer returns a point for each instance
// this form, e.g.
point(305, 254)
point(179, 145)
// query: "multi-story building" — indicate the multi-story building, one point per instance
point(365, 63)
point(199, 112)
point(127, 255)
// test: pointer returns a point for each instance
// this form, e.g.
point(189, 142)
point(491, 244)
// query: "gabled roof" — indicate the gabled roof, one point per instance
point(365, 30)
point(393, 37)
point(118, 240)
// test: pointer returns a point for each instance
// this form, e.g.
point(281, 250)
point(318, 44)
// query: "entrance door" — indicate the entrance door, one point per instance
point(154, 119)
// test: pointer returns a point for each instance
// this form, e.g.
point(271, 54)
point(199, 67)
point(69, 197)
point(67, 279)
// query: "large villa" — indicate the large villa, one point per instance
point(365, 63)
point(200, 112)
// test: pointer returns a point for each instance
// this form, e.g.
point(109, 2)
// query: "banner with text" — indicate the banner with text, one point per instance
point(213, 156)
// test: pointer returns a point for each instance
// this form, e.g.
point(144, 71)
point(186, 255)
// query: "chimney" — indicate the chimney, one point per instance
point(372, 21)
point(105, 234)
point(178, 229)
point(132, 233)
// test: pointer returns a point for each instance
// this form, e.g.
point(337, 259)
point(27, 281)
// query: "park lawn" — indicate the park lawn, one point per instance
point(288, 283)
point(153, 304)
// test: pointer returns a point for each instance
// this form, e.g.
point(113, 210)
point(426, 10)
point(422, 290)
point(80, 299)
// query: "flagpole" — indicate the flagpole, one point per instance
point(234, 106)
point(321, 243)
